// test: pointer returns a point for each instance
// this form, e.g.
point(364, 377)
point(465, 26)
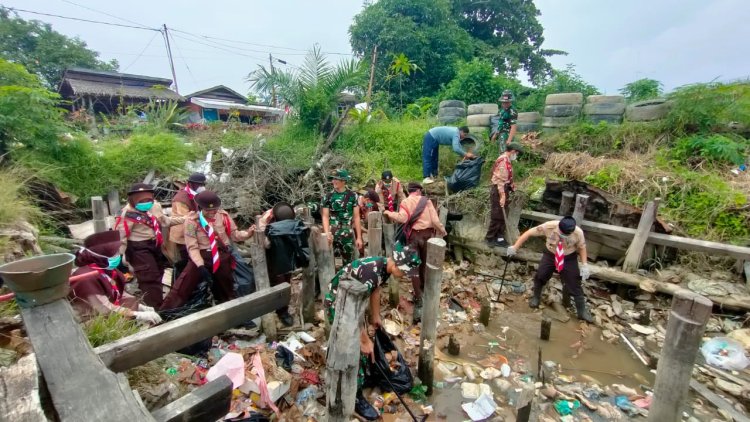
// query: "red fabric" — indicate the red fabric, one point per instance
point(190, 193)
point(559, 256)
point(150, 221)
point(116, 294)
point(388, 196)
point(213, 244)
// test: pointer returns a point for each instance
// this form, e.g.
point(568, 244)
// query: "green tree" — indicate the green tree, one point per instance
point(314, 90)
point(476, 82)
point(43, 51)
point(425, 31)
point(508, 33)
point(400, 68)
point(567, 80)
point(642, 89)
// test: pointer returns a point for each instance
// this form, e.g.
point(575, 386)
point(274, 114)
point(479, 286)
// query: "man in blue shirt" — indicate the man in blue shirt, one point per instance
point(441, 135)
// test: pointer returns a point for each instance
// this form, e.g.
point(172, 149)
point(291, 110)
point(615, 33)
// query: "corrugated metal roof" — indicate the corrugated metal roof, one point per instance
point(228, 105)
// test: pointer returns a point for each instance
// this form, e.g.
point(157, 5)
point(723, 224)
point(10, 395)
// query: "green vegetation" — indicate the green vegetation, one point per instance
point(720, 149)
point(475, 82)
point(642, 89)
point(103, 329)
point(709, 107)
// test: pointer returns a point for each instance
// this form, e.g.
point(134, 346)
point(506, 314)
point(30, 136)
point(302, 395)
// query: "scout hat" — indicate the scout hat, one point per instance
point(97, 248)
point(506, 96)
point(140, 187)
point(514, 146)
point(340, 174)
point(198, 178)
point(387, 176)
point(567, 225)
point(283, 211)
point(413, 186)
point(208, 200)
point(407, 259)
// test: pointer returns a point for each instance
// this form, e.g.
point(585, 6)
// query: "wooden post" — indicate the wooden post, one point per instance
point(580, 209)
point(430, 310)
point(374, 234)
point(567, 203)
point(513, 216)
point(687, 322)
point(484, 312)
point(310, 272)
point(113, 200)
point(635, 250)
point(324, 260)
point(262, 282)
point(546, 328)
point(99, 212)
point(342, 362)
point(443, 215)
point(454, 347)
point(394, 286)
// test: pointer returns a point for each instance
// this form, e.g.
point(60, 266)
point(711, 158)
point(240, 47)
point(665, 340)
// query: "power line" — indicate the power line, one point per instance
point(141, 53)
point(218, 47)
point(179, 52)
point(104, 13)
point(15, 9)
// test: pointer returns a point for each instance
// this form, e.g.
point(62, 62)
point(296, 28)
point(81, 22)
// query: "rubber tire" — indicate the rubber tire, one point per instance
point(562, 110)
point(614, 119)
point(474, 147)
point(645, 111)
point(452, 103)
point(527, 127)
point(604, 108)
point(555, 122)
point(479, 120)
point(529, 117)
point(564, 98)
point(609, 99)
point(478, 130)
point(485, 108)
point(450, 119)
point(454, 111)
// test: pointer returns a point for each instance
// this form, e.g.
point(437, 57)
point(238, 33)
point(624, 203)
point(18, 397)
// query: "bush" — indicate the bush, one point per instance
point(642, 89)
point(566, 80)
point(476, 82)
point(606, 139)
point(296, 144)
point(709, 107)
point(129, 160)
point(718, 149)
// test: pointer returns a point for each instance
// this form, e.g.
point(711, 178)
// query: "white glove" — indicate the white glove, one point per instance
point(148, 317)
point(585, 272)
point(511, 251)
point(142, 307)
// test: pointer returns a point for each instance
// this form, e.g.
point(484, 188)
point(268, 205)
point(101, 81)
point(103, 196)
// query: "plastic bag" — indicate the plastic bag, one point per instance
point(466, 175)
point(725, 353)
point(398, 374)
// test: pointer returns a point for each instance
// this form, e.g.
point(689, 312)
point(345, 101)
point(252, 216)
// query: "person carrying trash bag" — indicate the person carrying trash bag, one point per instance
point(564, 243)
point(207, 236)
point(372, 272)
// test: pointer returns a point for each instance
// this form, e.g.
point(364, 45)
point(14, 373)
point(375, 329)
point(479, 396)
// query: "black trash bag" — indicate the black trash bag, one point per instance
point(201, 299)
point(401, 378)
point(466, 175)
point(284, 358)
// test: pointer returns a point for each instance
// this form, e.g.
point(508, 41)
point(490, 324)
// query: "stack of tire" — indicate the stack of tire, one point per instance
point(562, 110)
point(646, 111)
point(451, 111)
point(527, 122)
point(604, 108)
point(479, 119)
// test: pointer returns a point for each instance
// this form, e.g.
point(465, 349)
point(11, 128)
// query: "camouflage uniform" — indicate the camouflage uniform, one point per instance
point(371, 271)
point(508, 118)
point(341, 216)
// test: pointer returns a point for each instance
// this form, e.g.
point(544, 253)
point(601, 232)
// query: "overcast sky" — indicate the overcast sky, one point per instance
point(610, 42)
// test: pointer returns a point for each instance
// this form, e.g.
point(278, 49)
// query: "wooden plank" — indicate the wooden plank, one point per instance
point(324, 259)
point(746, 271)
point(113, 200)
point(684, 243)
point(431, 311)
point(718, 401)
point(567, 203)
point(207, 403)
point(579, 212)
point(309, 273)
point(149, 177)
point(81, 387)
point(635, 250)
point(19, 391)
point(137, 349)
point(394, 287)
point(374, 234)
point(99, 212)
point(262, 281)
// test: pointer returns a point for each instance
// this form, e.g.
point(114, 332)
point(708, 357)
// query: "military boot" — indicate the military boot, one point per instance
point(364, 409)
point(565, 298)
point(417, 313)
point(583, 313)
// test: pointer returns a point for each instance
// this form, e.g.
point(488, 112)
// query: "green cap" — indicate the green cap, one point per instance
point(514, 146)
point(340, 174)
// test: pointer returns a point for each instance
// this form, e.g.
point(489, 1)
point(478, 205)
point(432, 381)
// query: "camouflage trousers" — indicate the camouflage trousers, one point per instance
point(343, 243)
point(502, 139)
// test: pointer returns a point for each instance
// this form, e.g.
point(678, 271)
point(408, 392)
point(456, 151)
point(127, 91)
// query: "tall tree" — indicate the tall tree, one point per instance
point(425, 31)
point(508, 33)
point(43, 51)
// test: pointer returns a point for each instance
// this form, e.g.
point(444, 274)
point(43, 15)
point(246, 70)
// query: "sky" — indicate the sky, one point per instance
point(610, 42)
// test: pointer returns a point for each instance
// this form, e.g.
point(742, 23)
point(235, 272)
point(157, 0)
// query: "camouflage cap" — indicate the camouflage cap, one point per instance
point(340, 174)
point(506, 96)
point(514, 146)
point(407, 259)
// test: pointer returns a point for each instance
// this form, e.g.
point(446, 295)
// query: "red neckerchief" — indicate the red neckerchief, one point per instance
point(147, 219)
point(190, 193)
point(388, 198)
point(115, 290)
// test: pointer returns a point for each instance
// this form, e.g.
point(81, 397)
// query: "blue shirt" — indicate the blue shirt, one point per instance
point(448, 135)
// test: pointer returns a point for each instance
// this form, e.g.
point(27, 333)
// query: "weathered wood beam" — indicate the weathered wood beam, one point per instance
point(684, 243)
point(374, 234)
point(567, 203)
point(580, 209)
point(262, 282)
point(113, 201)
point(209, 402)
point(718, 401)
point(99, 212)
point(19, 391)
point(145, 346)
point(635, 250)
point(310, 272)
point(431, 312)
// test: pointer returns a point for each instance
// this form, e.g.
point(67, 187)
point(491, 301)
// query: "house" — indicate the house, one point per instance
point(219, 102)
point(104, 92)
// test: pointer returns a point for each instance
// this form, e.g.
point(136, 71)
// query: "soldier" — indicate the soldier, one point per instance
point(420, 223)
point(565, 242)
point(501, 188)
point(373, 272)
point(104, 292)
point(140, 226)
point(506, 126)
point(183, 203)
point(340, 214)
point(207, 236)
point(442, 135)
point(390, 190)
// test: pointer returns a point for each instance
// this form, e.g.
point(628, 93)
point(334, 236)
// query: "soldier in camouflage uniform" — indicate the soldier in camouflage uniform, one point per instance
point(373, 272)
point(341, 220)
point(506, 126)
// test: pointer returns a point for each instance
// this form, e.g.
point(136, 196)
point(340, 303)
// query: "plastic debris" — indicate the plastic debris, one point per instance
point(725, 353)
point(471, 391)
point(232, 365)
point(505, 370)
point(481, 409)
point(566, 407)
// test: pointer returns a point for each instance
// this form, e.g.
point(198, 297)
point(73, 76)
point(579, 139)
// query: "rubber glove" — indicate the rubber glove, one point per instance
point(511, 251)
point(585, 272)
point(148, 317)
point(143, 308)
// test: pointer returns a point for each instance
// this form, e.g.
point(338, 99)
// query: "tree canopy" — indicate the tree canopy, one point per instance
point(43, 51)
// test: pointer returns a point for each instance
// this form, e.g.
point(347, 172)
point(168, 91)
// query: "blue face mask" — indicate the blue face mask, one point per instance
point(144, 206)
point(114, 262)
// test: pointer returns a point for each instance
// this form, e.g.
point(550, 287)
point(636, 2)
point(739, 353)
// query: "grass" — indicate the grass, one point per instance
point(103, 329)
point(9, 308)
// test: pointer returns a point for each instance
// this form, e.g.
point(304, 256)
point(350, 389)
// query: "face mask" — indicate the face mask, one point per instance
point(114, 262)
point(144, 206)
point(513, 157)
point(200, 189)
point(369, 205)
point(563, 236)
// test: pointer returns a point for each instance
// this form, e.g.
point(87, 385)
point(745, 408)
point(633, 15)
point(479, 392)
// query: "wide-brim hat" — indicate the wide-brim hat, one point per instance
point(340, 174)
point(105, 243)
point(199, 178)
point(208, 200)
point(514, 146)
point(140, 187)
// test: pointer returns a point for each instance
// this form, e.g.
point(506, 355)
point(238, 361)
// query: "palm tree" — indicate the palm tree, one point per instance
point(313, 89)
point(400, 67)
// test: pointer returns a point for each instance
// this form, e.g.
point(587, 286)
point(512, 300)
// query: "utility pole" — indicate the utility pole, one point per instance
point(372, 77)
point(171, 61)
point(273, 85)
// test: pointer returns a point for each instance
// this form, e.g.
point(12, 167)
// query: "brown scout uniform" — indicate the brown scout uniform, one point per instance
point(182, 205)
point(570, 273)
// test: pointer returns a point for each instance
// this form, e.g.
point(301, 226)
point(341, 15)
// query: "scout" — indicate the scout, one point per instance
point(501, 188)
point(207, 236)
point(183, 203)
point(390, 191)
point(340, 215)
point(140, 226)
point(565, 242)
point(506, 126)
